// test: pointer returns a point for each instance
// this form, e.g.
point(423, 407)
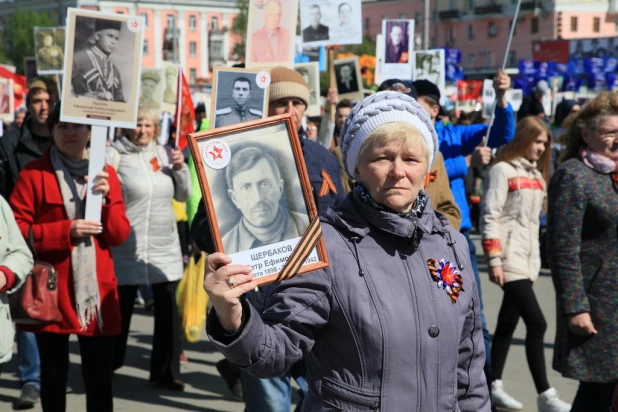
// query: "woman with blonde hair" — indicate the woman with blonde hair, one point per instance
point(583, 234)
point(514, 197)
point(151, 176)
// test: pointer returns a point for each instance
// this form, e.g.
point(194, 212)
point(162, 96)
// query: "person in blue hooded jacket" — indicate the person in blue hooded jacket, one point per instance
point(456, 143)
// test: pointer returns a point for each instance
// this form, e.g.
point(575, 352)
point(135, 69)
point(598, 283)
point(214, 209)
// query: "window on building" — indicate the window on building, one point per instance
point(367, 24)
point(417, 18)
point(511, 25)
point(192, 22)
point(534, 25)
point(471, 58)
point(119, 12)
point(470, 31)
point(468, 5)
point(573, 24)
point(214, 23)
point(171, 20)
point(402, 15)
point(217, 48)
point(145, 17)
point(192, 75)
point(596, 24)
point(145, 48)
point(451, 34)
point(512, 60)
point(192, 49)
point(452, 4)
point(490, 60)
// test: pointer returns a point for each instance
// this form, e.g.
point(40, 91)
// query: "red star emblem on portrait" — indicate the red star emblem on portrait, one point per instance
point(216, 153)
point(135, 24)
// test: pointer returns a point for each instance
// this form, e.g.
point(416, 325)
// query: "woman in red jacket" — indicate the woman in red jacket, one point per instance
point(49, 200)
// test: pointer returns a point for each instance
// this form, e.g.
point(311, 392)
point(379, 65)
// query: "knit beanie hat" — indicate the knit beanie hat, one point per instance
point(377, 110)
point(286, 82)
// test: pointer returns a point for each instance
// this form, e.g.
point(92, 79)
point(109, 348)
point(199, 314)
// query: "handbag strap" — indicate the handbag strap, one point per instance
point(31, 243)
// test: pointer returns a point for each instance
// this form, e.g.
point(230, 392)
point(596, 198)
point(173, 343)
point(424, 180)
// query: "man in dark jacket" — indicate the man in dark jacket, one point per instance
point(19, 147)
point(289, 93)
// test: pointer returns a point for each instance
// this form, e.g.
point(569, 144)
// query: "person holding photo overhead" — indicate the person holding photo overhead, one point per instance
point(94, 75)
point(239, 113)
point(255, 186)
point(396, 43)
point(272, 42)
point(316, 31)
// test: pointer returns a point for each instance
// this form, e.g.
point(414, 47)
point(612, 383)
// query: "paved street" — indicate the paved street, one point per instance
point(206, 391)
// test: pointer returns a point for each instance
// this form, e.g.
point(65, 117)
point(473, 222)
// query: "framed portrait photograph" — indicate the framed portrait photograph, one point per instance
point(257, 194)
point(152, 86)
point(398, 39)
point(30, 69)
point(170, 92)
point(49, 45)
point(311, 74)
point(271, 29)
point(238, 95)
point(430, 65)
point(102, 63)
point(7, 108)
point(326, 22)
point(348, 78)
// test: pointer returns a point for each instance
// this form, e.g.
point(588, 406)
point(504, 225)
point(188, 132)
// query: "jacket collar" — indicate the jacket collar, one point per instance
point(523, 163)
point(360, 218)
point(26, 139)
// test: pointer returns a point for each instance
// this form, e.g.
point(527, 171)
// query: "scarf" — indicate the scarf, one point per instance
point(73, 188)
point(600, 164)
point(417, 208)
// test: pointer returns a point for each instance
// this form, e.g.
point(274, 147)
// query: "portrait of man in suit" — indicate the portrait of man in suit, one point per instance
point(272, 42)
point(397, 43)
point(347, 81)
point(315, 31)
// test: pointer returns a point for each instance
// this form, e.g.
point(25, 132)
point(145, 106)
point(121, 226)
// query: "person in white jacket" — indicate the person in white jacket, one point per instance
point(514, 197)
point(15, 265)
point(151, 176)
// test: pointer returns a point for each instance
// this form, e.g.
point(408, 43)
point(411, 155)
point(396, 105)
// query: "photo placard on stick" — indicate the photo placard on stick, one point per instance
point(239, 95)
point(398, 39)
point(326, 22)
point(152, 89)
point(258, 197)
point(348, 78)
point(102, 64)
point(271, 29)
point(489, 98)
point(30, 69)
point(170, 94)
point(49, 45)
point(7, 107)
point(429, 65)
point(311, 74)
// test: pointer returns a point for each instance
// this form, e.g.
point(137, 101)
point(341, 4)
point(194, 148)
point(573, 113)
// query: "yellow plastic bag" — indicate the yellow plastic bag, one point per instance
point(192, 299)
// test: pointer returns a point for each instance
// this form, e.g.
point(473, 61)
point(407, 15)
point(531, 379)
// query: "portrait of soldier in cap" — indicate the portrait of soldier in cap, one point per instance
point(238, 111)
point(94, 76)
point(150, 81)
point(50, 55)
point(171, 85)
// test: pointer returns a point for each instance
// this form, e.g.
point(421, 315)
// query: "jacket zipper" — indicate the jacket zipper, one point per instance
point(150, 192)
point(375, 405)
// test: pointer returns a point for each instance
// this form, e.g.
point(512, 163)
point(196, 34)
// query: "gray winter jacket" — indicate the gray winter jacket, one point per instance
point(376, 330)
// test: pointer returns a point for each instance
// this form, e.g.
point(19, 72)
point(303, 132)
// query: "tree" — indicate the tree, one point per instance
point(17, 39)
point(239, 27)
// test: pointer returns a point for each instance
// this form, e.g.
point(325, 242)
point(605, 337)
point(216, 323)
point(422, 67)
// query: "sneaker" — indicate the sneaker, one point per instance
point(548, 401)
point(501, 399)
point(30, 395)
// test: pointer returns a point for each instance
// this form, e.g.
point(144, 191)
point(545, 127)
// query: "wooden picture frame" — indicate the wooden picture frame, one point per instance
point(253, 176)
point(353, 89)
point(223, 99)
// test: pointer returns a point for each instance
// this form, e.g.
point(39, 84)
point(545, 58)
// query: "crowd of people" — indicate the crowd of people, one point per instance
point(397, 319)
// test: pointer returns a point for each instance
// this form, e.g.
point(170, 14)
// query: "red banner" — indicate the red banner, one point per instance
point(469, 90)
point(187, 113)
point(552, 50)
point(19, 86)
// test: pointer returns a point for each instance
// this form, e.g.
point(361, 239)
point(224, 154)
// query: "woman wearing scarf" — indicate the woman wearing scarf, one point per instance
point(49, 201)
point(583, 234)
point(393, 323)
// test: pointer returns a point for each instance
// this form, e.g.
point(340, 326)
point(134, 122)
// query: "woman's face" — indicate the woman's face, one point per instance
point(71, 139)
point(537, 148)
point(604, 139)
point(393, 174)
point(144, 132)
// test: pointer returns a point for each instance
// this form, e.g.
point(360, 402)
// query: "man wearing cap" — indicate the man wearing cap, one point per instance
point(94, 75)
point(18, 147)
point(289, 93)
point(171, 85)
point(456, 143)
point(239, 113)
point(150, 80)
point(50, 56)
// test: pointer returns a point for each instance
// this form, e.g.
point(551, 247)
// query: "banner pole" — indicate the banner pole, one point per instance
point(179, 105)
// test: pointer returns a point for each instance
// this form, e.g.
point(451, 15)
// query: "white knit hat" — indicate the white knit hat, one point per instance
point(377, 110)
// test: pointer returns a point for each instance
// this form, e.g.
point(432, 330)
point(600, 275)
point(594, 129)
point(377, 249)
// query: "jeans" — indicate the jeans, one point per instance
point(28, 361)
point(274, 394)
point(486, 337)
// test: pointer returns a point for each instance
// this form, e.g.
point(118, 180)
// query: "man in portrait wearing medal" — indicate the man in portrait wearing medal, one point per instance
point(272, 42)
point(94, 75)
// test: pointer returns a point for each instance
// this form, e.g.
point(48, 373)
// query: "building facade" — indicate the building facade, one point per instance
point(201, 29)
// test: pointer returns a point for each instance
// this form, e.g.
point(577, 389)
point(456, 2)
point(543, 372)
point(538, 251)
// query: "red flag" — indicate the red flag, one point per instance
point(19, 86)
point(184, 112)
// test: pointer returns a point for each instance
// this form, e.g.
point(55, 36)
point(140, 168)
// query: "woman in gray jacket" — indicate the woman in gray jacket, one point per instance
point(151, 177)
point(393, 324)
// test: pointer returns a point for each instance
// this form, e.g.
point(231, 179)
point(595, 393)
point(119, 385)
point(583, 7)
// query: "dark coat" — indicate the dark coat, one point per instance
point(310, 34)
point(583, 252)
point(375, 329)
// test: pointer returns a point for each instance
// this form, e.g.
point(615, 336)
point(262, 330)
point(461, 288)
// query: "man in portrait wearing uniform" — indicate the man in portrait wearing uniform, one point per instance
point(271, 43)
point(171, 85)
point(51, 57)
point(94, 75)
point(150, 80)
point(239, 113)
point(316, 31)
point(255, 187)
